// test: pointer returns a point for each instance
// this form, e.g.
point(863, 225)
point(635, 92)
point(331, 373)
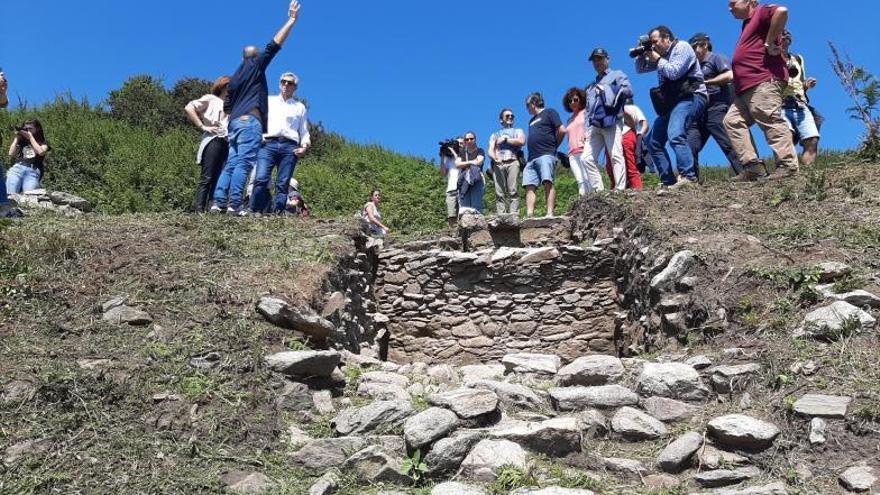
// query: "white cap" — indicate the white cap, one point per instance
point(294, 184)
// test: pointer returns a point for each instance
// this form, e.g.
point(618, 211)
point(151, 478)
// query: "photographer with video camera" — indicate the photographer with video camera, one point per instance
point(448, 151)
point(679, 101)
point(28, 150)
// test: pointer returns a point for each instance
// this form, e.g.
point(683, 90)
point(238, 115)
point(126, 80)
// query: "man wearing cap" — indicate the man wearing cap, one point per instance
point(606, 98)
point(718, 77)
point(681, 82)
point(759, 77)
point(286, 140)
point(247, 105)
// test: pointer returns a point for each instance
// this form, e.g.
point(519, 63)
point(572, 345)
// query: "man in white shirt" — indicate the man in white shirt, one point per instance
point(451, 172)
point(286, 141)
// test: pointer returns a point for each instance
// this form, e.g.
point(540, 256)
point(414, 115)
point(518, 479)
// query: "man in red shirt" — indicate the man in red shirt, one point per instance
point(760, 75)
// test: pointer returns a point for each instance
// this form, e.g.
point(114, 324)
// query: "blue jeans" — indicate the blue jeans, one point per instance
point(473, 198)
point(22, 178)
point(275, 152)
point(4, 199)
point(674, 130)
point(245, 135)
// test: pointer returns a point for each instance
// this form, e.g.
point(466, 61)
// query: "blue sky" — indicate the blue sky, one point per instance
point(405, 74)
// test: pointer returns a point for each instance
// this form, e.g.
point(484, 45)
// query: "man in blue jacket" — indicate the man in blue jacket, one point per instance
point(247, 106)
point(683, 86)
point(606, 97)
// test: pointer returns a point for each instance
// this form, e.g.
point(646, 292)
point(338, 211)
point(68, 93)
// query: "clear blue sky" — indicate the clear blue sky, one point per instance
point(404, 74)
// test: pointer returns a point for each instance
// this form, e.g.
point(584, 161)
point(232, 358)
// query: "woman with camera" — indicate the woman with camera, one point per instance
point(207, 114)
point(28, 151)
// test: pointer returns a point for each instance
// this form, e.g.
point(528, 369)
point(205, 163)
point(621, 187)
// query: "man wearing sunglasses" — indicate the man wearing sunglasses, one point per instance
point(505, 147)
point(286, 140)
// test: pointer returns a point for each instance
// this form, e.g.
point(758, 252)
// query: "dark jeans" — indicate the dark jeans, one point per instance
point(712, 125)
point(674, 130)
point(245, 135)
point(277, 152)
point(213, 158)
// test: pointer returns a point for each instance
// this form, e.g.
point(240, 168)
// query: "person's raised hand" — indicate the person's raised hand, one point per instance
point(293, 11)
point(652, 55)
point(811, 83)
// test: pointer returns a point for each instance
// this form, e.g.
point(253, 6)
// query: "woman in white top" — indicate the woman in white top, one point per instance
point(372, 216)
point(207, 114)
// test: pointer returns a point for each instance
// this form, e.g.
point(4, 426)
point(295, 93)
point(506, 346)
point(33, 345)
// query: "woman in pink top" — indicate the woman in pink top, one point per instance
point(588, 178)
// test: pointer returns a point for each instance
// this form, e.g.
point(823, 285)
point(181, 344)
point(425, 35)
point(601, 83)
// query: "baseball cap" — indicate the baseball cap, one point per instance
point(294, 184)
point(698, 38)
point(598, 52)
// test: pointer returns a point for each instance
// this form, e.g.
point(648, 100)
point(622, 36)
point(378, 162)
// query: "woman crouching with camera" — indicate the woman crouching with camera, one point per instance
point(27, 151)
point(207, 114)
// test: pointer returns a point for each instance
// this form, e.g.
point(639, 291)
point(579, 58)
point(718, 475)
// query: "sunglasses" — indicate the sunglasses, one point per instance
point(509, 116)
point(467, 140)
point(574, 99)
point(285, 82)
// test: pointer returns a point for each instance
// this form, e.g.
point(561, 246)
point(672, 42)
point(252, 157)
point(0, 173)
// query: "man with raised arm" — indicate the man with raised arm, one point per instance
point(247, 105)
point(760, 76)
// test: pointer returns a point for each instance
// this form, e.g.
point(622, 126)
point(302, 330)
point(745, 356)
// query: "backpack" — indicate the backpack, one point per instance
point(601, 114)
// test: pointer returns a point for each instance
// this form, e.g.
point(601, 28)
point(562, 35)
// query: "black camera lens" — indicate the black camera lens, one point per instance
point(793, 70)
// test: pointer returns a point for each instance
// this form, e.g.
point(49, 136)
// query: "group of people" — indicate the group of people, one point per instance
point(248, 135)
point(700, 94)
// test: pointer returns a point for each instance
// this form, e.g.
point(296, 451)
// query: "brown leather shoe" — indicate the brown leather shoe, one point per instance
point(751, 173)
point(783, 172)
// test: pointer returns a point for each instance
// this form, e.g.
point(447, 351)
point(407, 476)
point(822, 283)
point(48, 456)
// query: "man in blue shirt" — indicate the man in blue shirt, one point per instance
point(247, 106)
point(606, 96)
point(545, 135)
point(718, 76)
point(681, 81)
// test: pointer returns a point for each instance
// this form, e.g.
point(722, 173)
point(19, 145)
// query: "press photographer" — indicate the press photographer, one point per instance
point(679, 100)
point(449, 149)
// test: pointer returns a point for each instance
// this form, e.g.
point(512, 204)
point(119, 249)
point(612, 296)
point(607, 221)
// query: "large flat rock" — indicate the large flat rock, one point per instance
point(602, 397)
point(745, 432)
point(823, 406)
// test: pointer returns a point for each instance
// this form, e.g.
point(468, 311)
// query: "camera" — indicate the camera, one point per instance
point(643, 46)
point(449, 148)
point(793, 71)
point(20, 133)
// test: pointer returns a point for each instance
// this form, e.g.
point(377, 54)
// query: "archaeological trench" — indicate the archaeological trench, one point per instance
point(524, 338)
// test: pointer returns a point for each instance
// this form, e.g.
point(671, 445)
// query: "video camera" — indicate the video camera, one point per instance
point(643, 46)
point(450, 148)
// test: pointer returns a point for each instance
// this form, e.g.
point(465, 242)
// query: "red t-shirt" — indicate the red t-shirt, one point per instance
point(751, 63)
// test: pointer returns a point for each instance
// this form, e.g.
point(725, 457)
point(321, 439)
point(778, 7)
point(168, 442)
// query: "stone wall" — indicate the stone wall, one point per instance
point(469, 307)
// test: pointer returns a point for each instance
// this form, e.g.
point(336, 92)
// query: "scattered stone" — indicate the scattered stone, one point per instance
point(323, 402)
point(830, 321)
point(23, 449)
point(830, 271)
point(511, 394)
point(126, 314)
point(633, 424)
point(817, 431)
point(456, 488)
point(658, 482)
point(428, 426)
point(859, 478)
point(536, 364)
point(556, 437)
point(446, 454)
point(728, 379)
point(741, 431)
point(777, 488)
point(724, 477)
point(474, 372)
point(668, 410)
point(325, 453)
point(593, 423)
point(672, 380)
point(710, 457)
point(489, 456)
point(699, 362)
point(241, 482)
point(443, 373)
point(627, 467)
point(591, 370)
point(95, 364)
point(296, 437)
point(280, 313)
point(326, 484)
point(603, 397)
point(551, 490)
point(374, 465)
point(303, 364)
point(823, 406)
point(858, 298)
point(678, 267)
point(381, 385)
point(17, 389)
point(467, 403)
point(385, 414)
point(539, 255)
point(677, 454)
